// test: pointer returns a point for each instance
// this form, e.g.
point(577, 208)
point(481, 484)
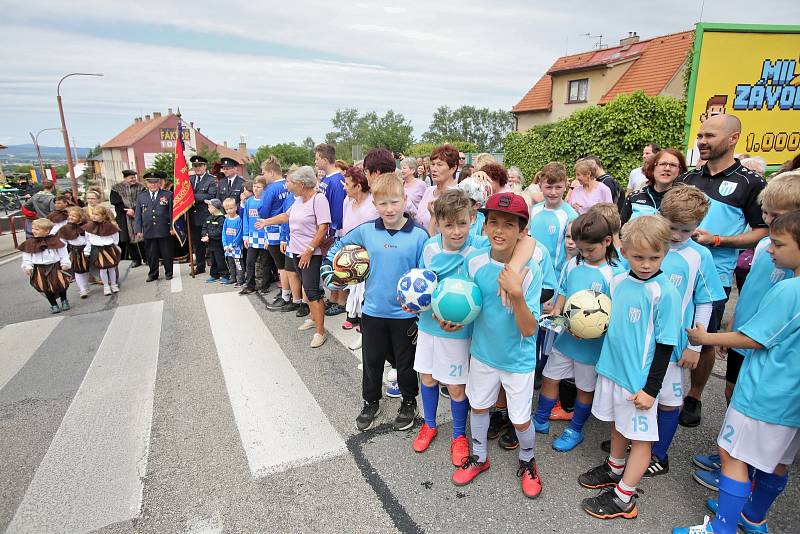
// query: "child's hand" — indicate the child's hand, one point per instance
point(510, 281)
point(283, 248)
point(246, 244)
point(547, 307)
point(642, 400)
point(28, 271)
point(702, 237)
point(204, 239)
point(697, 335)
point(260, 224)
point(409, 310)
point(689, 359)
point(448, 326)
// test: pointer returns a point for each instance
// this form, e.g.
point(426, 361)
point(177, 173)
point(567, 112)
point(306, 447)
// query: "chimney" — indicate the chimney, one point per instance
point(225, 144)
point(137, 120)
point(242, 146)
point(169, 111)
point(147, 118)
point(632, 38)
point(156, 114)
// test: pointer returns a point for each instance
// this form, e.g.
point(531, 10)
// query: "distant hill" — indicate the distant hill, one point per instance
point(28, 152)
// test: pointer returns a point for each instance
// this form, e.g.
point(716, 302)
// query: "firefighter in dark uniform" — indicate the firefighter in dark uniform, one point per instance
point(204, 186)
point(232, 184)
point(153, 221)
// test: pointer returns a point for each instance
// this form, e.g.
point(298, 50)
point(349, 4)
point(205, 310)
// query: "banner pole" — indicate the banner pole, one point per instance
point(189, 239)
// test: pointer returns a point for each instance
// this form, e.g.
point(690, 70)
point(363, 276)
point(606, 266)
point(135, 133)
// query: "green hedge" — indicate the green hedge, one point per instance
point(615, 133)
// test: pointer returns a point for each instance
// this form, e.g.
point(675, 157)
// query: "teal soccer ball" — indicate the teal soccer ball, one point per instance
point(457, 300)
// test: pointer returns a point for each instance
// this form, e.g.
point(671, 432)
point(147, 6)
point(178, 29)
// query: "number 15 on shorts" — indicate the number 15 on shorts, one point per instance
point(640, 424)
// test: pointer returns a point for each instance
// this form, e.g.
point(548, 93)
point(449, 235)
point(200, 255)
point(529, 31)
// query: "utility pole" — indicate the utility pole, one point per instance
point(70, 163)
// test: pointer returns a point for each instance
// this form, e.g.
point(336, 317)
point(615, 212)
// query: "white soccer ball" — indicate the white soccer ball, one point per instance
point(414, 289)
point(588, 313)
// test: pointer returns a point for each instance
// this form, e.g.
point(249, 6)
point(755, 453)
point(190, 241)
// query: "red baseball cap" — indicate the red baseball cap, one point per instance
point(508, 203)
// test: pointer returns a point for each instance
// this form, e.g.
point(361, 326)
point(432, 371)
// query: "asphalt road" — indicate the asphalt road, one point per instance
point(182, 407)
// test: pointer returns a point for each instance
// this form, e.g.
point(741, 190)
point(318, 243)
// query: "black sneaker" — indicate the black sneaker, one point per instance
point(509, 440)
point(599, 477)
point(302, 310)
point(605, 446)
point(690, 414)
point(366, 418)
point(656, 467)
point(405, 415)
point(443, 391)
point(277, 304)
point(606, 505)
point(498, 422)
point(247, 290)
point(290, 307)
point(278, 299)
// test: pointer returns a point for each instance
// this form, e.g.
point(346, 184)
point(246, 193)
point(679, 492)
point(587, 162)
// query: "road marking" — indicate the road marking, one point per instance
point(20, 342)
point(280, 423)
point(176, 284)
point(93, 472)
point(16, 257)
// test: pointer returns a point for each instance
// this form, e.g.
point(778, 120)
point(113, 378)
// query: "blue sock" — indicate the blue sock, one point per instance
point(768, 487)
point(430, 403)
point(667, 426)
point(580, 415)
point(732, 496)
point(543, 409)
point(459, 410)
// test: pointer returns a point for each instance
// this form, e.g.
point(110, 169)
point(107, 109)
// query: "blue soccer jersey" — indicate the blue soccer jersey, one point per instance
point(232, 236)
point(690, 267)
point(392, 253)
point(496, 340)
point(477, 227)
point(272, 204)
point(643, 313)
point(733, 206)
point(549, 227)
point(545, 262)
point(444, 263)
point(332, 186)
point(255, 238)
point(576, 277)
point(768, 387)
point(763, 276)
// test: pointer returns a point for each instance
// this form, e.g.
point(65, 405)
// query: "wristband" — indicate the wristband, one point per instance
point(717, 240)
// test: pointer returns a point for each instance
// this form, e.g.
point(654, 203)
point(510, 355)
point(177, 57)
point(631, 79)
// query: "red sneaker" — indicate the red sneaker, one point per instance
point(459, 450)
point(424, 438)
point(469, 470)
point(529, 479)
point(559, 414)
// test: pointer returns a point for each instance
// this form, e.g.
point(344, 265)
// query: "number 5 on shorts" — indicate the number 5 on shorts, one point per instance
point(677, 389)
point(455, 370)
point(640, 423)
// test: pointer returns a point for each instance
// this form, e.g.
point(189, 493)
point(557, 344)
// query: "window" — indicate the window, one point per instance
point(578, 91)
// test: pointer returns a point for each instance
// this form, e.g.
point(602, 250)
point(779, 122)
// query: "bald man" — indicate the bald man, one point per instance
point(733, 222)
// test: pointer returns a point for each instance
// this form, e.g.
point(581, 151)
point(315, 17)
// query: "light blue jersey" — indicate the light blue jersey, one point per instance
point(643, 313)
point(763, 276)
point(576, 277)
point(549, 227)
point(768, 387)
point(690, 267)
point(496, 340)
point(477, 227)
point(545, 262)
point(444, 263)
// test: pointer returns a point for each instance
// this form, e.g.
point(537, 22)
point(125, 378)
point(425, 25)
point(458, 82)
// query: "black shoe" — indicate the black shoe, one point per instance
point(151, 278)
point(690, 414)
point(277, 304)
point(168, 277)
point(199, 271)
point(599, 477)
point(405, 415)
point(289, 307)
point(443, 391)
point(264, 290)
point(247, 291)
point(497, 423)
point(336, 309)
point(278, 300)
point(366, 418)
point(509, 440)
point(303, 310)
point(606, 505)
point(656, 467)
point(135, 264)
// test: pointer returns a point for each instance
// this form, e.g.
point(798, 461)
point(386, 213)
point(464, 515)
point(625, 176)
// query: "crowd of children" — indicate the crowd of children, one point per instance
point(527, 260)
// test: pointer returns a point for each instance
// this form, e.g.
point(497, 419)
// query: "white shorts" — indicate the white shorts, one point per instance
point(672, 389)
point(560, 366)
point(444, 358)
point(760, 444)
point(484, 383)
point(611, 404)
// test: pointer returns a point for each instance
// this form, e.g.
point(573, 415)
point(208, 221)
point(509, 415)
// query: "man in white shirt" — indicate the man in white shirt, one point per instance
point(637, 179)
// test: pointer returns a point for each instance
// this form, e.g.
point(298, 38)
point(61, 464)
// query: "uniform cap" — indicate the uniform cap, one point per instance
point(198, 159)
point(228, 162)
point(217, 203)
point(154, 176)
point(128, 172)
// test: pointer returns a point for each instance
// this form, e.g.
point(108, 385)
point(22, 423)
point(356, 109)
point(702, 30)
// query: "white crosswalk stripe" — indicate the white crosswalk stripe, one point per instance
point(24, 339)
point(92, 474)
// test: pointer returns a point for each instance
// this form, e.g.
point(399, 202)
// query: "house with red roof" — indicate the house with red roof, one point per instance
point(655, 66)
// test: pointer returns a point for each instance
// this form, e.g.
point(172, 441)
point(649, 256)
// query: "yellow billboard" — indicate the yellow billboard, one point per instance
point(752, 72)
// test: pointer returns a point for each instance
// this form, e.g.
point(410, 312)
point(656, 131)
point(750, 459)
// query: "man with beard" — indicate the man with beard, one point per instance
point(204, 186)
point(123, 198)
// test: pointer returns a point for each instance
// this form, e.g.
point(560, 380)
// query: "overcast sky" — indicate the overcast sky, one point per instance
point(277, 71)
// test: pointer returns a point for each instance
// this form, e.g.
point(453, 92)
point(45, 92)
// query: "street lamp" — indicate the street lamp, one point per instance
point(36, 146)
point(70, 164)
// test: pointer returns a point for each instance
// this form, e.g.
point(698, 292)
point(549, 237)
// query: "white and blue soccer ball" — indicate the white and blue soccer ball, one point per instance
point(457, 300)
point(415, 289)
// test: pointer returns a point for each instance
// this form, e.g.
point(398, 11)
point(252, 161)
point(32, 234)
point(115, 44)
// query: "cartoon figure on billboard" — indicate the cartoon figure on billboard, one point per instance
point(716, 105)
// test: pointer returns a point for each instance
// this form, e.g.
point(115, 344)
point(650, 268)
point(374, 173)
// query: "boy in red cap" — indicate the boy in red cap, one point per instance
point(503, 346)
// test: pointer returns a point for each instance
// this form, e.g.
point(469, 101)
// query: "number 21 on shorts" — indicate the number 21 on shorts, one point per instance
point(455, 370)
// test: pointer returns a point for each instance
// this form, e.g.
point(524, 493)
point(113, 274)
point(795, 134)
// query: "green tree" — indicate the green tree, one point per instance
point(287, 153)
point(485, 128)
point(370, 130)
point(420, 150)
point(96, 151)
point(211, 155)
point(164, 162)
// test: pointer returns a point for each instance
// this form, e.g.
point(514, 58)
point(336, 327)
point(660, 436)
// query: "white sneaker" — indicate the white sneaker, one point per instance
point(307, 325)
point(355, 345)
point(318, 340)
point(106, 291)
point(84, 293)
point(114, 288)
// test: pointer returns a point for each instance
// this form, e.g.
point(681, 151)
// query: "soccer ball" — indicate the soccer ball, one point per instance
point(414, 289)
point(350, 265)
point(588, 313)
point(457, 300)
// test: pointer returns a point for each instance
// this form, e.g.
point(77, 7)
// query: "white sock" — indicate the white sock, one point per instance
point(624, 492)
point(286, 294)
point(112, 276)
point(617, 465)
point(82, 279)
point(104, 277)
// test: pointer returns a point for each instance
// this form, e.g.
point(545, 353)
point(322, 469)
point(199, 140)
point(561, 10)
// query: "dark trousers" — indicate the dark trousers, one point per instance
point(159, 248)
point(199, 248)
point(256, 255)
point(219, 266)
point(51, 297)
point(392, 340)
point(131, 251)
point(235, 270)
